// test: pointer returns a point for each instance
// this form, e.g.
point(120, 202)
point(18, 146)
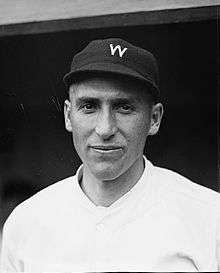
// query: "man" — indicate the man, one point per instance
point(119, 212)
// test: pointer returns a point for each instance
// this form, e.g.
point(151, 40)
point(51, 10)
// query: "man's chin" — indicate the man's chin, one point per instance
point(106, 171)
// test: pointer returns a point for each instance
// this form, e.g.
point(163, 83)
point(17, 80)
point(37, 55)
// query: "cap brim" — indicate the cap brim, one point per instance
point(107, 68)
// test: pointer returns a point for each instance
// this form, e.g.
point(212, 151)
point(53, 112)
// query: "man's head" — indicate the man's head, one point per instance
point(112, 107)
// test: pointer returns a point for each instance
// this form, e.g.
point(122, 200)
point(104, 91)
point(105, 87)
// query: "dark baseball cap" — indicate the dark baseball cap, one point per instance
point(116, 56)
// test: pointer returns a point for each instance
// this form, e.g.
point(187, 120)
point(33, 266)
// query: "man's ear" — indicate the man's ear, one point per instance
point(156, 116)
point(67, 111)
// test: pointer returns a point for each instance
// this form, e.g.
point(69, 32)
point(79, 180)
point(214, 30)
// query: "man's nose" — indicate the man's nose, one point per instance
point(106, 125)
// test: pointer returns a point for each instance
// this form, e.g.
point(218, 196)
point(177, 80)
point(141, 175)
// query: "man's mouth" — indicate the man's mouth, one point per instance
point(106, 148)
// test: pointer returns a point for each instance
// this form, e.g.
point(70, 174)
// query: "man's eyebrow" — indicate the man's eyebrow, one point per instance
point(83, 99)
point(123, 100)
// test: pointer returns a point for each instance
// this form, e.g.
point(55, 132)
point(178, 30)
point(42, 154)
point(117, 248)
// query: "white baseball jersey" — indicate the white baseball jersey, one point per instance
point(164, 223)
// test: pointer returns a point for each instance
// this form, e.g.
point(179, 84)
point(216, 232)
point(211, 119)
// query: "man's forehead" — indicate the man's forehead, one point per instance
point(102, 97)
point(103, 87)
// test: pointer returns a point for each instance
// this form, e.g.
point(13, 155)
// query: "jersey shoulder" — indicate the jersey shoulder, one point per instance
point(45, 202)
point(175, 183)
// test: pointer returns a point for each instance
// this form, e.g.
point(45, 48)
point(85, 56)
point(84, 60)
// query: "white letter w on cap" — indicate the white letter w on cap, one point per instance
point(117, 47)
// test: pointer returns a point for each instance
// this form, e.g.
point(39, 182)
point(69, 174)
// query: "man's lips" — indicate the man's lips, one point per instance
point(106, 147)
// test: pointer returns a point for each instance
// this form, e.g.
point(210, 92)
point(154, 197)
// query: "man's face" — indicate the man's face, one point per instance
point(110, 121)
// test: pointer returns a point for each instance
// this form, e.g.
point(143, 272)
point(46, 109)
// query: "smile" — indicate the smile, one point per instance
point(106, 149)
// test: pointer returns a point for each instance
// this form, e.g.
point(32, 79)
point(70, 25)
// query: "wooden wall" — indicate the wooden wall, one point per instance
point(44, 16)
point(19, 11)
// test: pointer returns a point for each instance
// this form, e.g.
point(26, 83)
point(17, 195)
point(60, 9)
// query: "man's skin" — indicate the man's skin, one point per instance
point(110, 120)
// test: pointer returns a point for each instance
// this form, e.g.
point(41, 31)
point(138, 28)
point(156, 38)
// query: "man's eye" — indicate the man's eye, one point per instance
point(125, 108)
point(88, 107)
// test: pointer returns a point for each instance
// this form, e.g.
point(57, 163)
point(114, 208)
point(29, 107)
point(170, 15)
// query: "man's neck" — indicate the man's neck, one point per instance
point(105, 193)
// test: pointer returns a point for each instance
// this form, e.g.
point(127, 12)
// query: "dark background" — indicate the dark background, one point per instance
point(35, 149)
